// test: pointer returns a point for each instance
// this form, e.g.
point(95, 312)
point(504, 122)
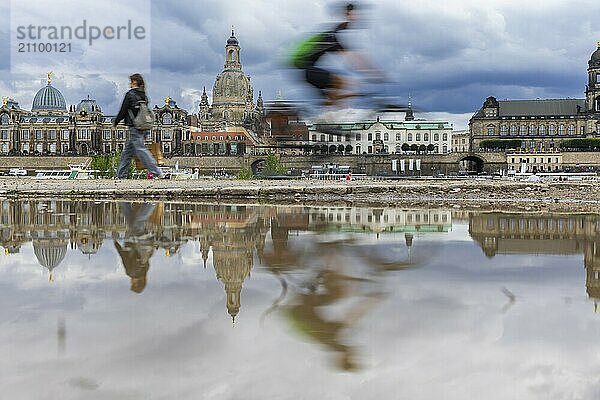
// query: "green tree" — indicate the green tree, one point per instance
point(405, 147)
point(245, 174)
point(273, 166)
point(500, 144)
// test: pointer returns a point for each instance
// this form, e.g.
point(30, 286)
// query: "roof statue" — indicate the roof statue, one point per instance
point(49, 75)
point(4, 101)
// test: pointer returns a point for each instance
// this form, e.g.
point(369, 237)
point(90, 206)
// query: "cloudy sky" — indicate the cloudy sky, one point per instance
point(448, 56)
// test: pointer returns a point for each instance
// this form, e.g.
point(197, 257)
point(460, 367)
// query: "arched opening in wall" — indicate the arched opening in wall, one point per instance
point(471, 164)
point(257, 166)
point(231, 55)
point(597, 104)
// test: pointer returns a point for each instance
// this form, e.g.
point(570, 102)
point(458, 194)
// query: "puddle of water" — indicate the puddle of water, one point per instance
point(173, 300)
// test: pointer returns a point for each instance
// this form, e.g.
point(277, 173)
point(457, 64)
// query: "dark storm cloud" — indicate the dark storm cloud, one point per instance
point(448, 56)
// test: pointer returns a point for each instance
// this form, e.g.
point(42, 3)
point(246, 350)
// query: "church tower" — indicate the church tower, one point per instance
point(592, 92)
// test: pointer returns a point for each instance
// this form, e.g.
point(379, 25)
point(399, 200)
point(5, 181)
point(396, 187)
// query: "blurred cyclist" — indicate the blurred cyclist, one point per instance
point(307, 54)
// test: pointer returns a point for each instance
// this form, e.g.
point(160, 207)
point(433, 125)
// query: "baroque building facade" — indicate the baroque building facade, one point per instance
point(383, 137)
point(541, 124)
point(232, 110)
point(50, 128)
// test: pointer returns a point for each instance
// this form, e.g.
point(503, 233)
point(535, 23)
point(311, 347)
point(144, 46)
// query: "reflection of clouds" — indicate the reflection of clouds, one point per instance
point(440, 333)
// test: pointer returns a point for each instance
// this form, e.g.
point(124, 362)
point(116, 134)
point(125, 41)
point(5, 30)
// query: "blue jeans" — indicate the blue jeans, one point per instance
point(135, 146)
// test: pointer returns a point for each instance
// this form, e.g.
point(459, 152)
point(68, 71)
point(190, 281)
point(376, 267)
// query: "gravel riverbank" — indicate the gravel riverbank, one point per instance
point(570, 195)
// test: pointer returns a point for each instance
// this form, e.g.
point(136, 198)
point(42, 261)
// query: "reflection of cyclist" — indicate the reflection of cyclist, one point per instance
point(306, 57)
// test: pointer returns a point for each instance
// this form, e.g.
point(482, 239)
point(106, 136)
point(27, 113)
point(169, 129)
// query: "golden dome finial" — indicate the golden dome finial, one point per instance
point(4, 101)
point(49, 75)
point(50, 278)
point(167, 100)
point(598, 44)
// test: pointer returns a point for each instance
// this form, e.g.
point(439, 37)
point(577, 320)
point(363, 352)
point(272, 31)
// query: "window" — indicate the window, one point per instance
point(25, 134)
point(370, 149)
point(38, 134)
point(331, 138)
point(347, 138)
point(53, 148)
point(561, 130)
point(444, 149)
point(358, 136)
point(322, 138)
point(106, 134)
point(358, 150)
point(409, 137)
point(166, 134)
point(542, 130)
point(84, 134)
point(513, 129)
point(532, 129)
point(522, 130)
point(25, 147)
point(552, 130)
point(386, 136)
point(167, 119)
point(4, 134)
point(398, 137)
point(65, 134)
point(582, 130)
point(426, 136)
point(436, 137)
point(370, 137)
point(314, 137)
point(4, 119)
point(417, 136)
point(503, 130)
point(52, 134)
point(571, 129)
point(444, 136)
point(4, 148)
point(377, 135)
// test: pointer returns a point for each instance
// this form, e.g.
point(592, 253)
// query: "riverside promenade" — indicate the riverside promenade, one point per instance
point(568, 196)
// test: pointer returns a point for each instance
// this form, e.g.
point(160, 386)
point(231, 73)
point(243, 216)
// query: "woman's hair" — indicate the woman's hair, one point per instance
point(138, 80)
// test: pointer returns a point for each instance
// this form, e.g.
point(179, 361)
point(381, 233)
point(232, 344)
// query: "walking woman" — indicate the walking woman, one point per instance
point(135, 139)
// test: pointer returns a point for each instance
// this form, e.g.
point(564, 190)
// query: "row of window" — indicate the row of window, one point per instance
point(550, 130)
point(409, 137)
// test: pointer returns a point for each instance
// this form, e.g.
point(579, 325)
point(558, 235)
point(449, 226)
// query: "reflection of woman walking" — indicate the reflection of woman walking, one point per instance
point(135, 140)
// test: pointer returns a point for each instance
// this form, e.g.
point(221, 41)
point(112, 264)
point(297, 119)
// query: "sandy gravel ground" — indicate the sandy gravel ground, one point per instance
point(570, 195)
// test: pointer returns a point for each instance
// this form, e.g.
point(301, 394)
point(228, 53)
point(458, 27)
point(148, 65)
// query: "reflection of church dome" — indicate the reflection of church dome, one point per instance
point(49, 253)
point(88, 105)
point(49, 98)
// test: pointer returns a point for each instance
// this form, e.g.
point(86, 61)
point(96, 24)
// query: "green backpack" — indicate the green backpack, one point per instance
point(300, 55)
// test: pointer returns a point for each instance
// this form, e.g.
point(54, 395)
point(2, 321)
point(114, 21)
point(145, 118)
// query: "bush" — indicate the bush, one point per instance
point(245, 174)
point(581, 144)
point(500, 144)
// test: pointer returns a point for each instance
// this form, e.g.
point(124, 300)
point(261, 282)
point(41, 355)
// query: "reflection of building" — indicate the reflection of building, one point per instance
point(380, 220)
point(542, 234)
